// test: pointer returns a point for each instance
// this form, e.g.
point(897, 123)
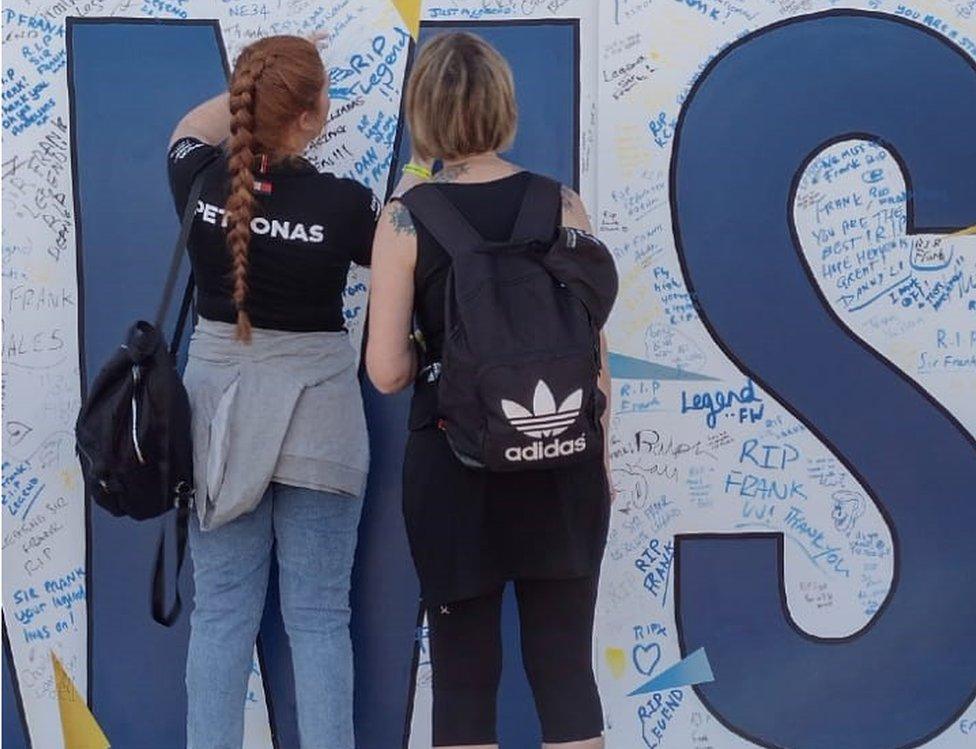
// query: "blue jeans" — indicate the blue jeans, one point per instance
point(315, 535)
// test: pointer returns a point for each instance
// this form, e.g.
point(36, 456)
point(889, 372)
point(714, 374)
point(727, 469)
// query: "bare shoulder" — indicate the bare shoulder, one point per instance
point(397, 219)
point(571, 200)
point(574, 211)
point(395, 243)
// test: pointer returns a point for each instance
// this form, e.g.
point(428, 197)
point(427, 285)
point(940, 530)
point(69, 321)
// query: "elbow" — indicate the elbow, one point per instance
point(386, 385)
point(387, 380)
point(181, 130)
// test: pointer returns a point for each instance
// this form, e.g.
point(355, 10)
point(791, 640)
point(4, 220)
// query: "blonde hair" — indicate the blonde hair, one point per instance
point(460, 98)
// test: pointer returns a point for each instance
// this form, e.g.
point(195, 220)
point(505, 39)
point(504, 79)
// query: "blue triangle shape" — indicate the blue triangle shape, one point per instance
point(631, 368)
point(694, 669)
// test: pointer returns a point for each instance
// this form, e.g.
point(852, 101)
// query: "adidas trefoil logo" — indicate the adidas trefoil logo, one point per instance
point(544, 420)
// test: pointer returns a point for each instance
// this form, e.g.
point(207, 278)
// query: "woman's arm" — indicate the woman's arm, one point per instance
point(391, 357)
point(209, 122)
point(575, 216)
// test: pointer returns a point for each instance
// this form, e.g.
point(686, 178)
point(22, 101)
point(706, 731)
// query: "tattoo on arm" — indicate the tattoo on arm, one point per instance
point(400, 219)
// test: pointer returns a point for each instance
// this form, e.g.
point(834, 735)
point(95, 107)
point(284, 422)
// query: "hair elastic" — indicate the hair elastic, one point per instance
point(417, 170)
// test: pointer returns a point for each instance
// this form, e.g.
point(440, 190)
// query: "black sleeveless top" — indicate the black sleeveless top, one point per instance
point(306, 230)
point(470, 531)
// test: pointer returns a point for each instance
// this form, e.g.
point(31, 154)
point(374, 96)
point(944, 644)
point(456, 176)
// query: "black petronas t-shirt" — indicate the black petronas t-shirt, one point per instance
point(306, 229)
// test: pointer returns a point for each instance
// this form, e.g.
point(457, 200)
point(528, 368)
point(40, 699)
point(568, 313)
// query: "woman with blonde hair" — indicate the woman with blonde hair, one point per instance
point(470, 530)
point(279, 436)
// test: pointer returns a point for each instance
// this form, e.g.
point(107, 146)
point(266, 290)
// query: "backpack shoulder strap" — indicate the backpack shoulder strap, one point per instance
point(174, 265)
point(540, 213)
point(428, 205)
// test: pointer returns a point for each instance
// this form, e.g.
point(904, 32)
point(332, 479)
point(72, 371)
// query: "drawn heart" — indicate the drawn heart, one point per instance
point(646, 657)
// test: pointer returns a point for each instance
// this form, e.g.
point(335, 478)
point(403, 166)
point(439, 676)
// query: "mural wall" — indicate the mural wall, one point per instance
point(782, 185)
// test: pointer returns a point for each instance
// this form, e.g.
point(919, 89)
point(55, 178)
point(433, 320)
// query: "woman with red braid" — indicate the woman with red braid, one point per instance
point(279, 437)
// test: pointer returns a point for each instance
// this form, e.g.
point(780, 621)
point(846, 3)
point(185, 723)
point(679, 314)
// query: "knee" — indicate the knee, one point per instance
point(464, 675)
point(565, 692)
point(569, 710)
point(464, 706)
point(557, 689)
point(309, 605)
point(309, 615)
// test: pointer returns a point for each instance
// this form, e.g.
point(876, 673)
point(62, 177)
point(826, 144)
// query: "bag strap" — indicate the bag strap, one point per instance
point(174, 265)
point(428, 205)
point(182, 317)
point(159, 612)
point(158, 603)
point(540, 213)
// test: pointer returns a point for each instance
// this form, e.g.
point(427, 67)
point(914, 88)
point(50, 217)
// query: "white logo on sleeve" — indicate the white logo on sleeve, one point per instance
point(544, 420)
point(184, 147)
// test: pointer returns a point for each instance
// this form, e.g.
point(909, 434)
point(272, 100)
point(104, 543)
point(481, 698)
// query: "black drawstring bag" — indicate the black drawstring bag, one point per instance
point(133, 431)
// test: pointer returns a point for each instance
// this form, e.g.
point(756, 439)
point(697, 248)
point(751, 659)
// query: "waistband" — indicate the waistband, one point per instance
point(213, 339)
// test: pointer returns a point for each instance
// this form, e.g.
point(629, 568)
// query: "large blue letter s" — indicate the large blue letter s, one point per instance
point(748, 128)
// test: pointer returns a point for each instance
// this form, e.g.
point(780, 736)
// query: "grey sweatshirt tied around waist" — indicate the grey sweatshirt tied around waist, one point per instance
point(286, 408)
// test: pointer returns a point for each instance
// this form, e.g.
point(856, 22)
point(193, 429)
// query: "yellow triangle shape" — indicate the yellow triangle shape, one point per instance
point(410, 13)
point(78, 725)
point(964, 232)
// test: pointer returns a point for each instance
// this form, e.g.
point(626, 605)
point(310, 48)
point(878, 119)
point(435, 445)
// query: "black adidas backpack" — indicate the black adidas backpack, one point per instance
point(518, 375)
point(133, 430)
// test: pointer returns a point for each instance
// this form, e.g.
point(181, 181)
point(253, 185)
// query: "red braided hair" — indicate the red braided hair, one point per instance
point(275, 79)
